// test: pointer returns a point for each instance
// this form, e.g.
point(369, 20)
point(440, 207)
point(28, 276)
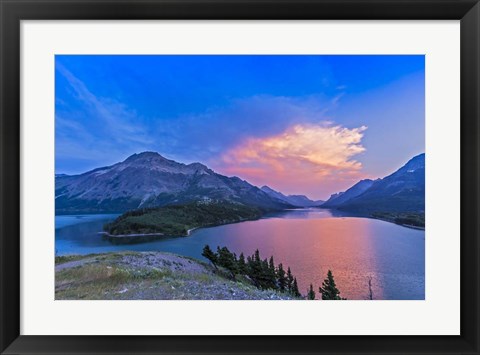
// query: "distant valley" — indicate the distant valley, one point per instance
point(294, 200)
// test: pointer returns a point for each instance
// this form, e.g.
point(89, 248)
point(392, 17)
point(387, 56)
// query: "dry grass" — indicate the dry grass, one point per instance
point(148, 276)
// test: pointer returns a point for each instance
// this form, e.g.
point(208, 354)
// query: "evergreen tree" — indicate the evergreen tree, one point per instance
point(281, 279)
point(266, 279)
point(254, 269)
point(271, 264)
point(227, 260)
point(311, 293)
point(272, 275)
point(210, 255)
point(256, 257)
point(265, 266)
point(289, 281)
point(329, 290)
point(295, 290)
point(263, 273)
point(370, 291)
point(242, 266)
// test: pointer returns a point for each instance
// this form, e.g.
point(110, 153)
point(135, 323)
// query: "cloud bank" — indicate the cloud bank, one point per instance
point(201, 136)
point(304, 158)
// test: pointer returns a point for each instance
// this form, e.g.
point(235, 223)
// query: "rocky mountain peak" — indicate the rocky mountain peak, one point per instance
point(416, 162)
point(145, 156)
point(198, 167)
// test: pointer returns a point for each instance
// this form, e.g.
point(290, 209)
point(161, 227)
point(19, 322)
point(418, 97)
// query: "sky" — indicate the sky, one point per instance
point(301, 124)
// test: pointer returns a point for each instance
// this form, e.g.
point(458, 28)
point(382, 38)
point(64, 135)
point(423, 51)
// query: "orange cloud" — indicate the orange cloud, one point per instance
point(309, 159)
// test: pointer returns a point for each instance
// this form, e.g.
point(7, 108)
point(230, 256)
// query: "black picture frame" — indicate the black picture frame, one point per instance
point(12, 12)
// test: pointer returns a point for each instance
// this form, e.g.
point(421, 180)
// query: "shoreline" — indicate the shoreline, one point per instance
point(142, 237)
point(191, 230)
point(398, 224)
point(135, 238)
point(131, 235)
point(370, 216)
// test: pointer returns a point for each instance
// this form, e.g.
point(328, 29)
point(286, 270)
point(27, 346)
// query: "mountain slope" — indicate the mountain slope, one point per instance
point(150, 276)
point(402, 191)
point(149, 180)
point(295, 200)
point(272, 193)
point(342, 197)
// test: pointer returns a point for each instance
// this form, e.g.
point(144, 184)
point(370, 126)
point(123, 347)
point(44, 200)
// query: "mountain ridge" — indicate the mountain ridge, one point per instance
point(401, 191)
point(354, 191)
point(148, 179)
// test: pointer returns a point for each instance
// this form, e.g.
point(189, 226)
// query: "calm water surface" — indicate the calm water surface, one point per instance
point(310, 241)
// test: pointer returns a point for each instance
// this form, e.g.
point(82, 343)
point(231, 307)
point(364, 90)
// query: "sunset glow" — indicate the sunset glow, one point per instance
point(314, 129)
point(312, 159)
point(241, 177)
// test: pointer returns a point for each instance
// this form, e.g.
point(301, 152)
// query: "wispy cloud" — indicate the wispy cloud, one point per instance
point(315, 159)
point(99, 126)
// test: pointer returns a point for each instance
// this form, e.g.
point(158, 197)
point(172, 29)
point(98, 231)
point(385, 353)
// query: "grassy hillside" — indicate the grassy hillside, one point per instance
point(177, 220)
point(150, 276)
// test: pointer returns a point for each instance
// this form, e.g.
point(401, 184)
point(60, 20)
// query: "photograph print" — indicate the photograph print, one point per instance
point(240, 177)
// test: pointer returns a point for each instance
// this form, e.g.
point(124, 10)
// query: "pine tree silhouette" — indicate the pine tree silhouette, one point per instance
point(329, 290)
point(311, 293)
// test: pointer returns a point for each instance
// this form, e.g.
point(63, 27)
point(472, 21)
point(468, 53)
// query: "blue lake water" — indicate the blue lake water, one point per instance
point(310, 241)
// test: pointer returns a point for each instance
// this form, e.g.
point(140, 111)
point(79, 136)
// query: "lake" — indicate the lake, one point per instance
point(310, 241)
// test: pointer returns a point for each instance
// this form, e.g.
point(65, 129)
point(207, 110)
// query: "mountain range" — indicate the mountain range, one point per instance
point(402, 191)
point(149, 180)
point(294, 200)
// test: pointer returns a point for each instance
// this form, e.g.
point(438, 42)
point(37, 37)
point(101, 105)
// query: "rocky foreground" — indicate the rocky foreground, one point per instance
point(149, 276)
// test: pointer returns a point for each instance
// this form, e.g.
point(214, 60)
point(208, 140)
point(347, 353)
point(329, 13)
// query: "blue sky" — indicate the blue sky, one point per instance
point(301, 124)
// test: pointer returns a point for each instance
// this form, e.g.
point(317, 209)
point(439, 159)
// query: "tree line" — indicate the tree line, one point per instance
point(264, 274)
